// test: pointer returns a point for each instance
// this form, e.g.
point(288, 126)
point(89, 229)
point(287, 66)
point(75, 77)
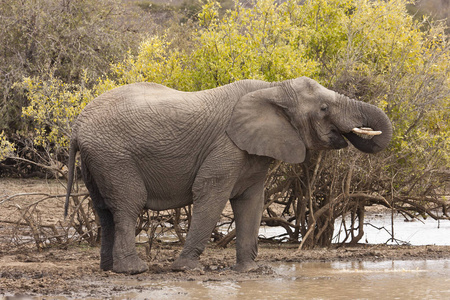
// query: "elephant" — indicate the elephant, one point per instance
point(147, 146)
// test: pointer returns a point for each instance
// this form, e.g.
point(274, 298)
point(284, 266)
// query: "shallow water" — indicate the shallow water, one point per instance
point(331, 280)
point(377, 230)
point(418, 232)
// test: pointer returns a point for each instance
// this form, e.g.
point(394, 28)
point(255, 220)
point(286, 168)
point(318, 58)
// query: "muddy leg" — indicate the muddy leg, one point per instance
point(211, 190)
point(247, 210)
point(204, 218)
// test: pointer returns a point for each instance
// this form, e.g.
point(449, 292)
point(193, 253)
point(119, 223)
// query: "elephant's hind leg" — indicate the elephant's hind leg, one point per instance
point(107, 239)
point(106, 222)
point(127, 202)
point(126, 259)
point(123, 196)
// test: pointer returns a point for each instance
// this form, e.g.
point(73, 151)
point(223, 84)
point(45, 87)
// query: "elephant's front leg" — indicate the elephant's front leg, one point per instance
point(208, 205)
point(247, 210)
point(211, 190)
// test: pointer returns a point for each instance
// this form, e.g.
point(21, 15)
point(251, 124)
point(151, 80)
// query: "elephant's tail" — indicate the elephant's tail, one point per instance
point(72, 153)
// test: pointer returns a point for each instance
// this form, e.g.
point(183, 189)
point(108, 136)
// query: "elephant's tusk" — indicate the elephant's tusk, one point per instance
point(366, 131)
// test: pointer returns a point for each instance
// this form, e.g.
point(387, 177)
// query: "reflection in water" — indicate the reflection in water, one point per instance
point(330, 280)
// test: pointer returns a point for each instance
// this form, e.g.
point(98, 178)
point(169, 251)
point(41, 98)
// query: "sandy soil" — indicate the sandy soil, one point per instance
point(74, 272)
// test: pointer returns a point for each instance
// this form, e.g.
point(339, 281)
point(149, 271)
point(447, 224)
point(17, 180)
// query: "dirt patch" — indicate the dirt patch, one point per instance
point(74, 272)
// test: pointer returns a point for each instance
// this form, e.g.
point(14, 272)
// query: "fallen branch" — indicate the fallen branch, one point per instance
point(50, 168)
point(47, 196)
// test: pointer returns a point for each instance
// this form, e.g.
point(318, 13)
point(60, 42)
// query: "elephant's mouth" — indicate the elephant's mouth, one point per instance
point(362, 133)
point(365, 132)
point(366, 139)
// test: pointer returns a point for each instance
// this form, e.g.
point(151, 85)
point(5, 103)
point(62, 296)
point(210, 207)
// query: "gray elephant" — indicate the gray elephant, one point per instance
point(146, 146)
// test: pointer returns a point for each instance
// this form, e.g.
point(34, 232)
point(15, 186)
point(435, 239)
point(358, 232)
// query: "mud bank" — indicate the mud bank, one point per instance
point(74, 273)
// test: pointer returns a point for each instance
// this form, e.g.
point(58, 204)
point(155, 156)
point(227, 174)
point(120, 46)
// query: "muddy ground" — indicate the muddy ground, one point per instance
point(74, 272)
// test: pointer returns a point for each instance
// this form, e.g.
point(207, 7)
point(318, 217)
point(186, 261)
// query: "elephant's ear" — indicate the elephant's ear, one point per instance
point(259, 126)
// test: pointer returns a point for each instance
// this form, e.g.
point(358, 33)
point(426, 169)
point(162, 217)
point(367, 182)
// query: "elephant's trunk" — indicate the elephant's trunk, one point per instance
point(373, 128)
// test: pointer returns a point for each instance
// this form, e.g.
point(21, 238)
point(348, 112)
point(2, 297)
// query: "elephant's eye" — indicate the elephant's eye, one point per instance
point(324, 107)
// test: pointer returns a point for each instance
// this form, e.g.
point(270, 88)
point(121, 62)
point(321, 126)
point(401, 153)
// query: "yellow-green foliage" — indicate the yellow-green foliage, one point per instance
point(409, 64)
point(53, 107)
point(6, 148)
point(371, 50)
point(155, 62)
point(261, 42)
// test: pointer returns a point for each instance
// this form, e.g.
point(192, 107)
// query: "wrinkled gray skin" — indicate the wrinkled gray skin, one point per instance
point(146, 146)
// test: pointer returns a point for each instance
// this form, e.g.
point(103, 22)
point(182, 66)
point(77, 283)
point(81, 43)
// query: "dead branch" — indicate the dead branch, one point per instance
point(47, 196)
point(50, 168)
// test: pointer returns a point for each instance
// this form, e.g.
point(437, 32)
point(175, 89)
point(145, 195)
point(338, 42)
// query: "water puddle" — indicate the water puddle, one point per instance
point(425, 279)
point(331, 280)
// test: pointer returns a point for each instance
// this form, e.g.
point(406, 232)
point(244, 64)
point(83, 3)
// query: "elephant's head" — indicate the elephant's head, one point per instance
point(286, 119)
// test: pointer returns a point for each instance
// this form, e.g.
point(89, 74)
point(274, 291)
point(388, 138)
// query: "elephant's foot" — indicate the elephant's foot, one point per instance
point(130, 265)
point(245, 266)
point(106, 264)
point(183, 264)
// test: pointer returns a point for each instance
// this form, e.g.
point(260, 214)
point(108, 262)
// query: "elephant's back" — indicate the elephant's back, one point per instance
point(124, 106)
point(151, 117)
point(130, 93)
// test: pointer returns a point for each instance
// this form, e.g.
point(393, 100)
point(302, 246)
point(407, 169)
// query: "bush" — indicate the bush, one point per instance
point(51, 43)
point(68, 40)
